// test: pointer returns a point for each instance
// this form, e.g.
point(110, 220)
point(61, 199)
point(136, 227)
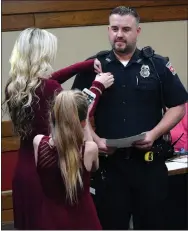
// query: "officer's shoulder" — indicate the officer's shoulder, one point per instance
point(160, 59)
point(100, 54)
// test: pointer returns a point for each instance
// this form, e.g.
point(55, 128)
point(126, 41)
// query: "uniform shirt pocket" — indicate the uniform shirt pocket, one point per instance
point(146, 84)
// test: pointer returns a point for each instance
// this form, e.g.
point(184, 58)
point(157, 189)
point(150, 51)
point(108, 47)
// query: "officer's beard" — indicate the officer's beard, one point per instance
point(129, 49)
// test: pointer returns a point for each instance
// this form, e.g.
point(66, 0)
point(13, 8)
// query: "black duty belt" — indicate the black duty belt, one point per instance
point(128, 154)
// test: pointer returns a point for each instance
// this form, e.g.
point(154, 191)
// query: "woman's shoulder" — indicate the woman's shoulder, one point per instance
point(50, 84)
point(48, 87)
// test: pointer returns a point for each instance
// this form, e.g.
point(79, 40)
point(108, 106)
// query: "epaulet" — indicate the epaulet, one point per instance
point(99, 54)
point(159, 57)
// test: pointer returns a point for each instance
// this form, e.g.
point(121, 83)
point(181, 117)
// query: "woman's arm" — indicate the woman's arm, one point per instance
point(97, 88)
point(87, 132)
point(101, 82)
point(36, 141)
point(91, 160)
point(66, 73)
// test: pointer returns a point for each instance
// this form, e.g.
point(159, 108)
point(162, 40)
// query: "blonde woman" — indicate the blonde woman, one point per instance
point(64, 162)
point(31, 87)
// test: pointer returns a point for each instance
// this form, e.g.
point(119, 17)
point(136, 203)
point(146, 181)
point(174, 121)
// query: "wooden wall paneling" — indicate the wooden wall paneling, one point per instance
point(7, 215)
point(7, 128)
point(165, 13)
point(69, 19)
point(10, 144)
point(18, 15)
point(100, 17)
point(6, 206)
point(17, 22)
point(21, 7)
point(9, 141)
point(6, 200)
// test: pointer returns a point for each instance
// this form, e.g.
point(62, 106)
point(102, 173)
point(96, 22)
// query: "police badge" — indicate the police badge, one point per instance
point(145, 71)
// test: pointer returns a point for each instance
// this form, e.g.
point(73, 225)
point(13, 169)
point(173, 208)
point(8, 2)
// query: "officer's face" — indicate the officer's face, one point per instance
point(123, 32)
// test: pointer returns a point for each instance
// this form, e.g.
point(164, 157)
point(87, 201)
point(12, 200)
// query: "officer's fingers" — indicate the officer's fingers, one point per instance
point(143, 147)
point(139, 142)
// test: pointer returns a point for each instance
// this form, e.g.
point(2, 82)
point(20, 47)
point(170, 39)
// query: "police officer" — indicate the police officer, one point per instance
point(129, 107)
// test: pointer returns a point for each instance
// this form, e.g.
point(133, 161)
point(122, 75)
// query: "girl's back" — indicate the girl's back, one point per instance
point(57, 212)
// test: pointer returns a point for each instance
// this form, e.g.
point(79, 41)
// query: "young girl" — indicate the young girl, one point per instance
point(64, 162)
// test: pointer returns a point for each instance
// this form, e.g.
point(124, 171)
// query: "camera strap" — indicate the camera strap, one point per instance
point(148, 53)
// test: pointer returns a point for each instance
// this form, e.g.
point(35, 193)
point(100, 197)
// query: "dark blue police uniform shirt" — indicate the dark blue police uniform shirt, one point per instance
point(133, 103)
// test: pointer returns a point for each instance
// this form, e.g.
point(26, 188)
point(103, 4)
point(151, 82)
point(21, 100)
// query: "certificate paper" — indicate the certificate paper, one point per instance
point(124, 142)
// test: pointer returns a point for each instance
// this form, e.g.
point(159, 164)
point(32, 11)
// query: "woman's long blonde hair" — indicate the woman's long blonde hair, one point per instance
point(31, 59)
point(70, 108)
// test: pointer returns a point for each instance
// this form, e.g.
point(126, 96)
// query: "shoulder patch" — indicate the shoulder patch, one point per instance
point(170, 67)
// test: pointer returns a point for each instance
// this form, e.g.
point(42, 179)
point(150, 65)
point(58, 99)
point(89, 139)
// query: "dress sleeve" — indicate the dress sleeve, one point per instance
point(66, 73)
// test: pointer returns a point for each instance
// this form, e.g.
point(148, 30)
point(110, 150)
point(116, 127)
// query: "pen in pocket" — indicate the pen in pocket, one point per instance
point(137, 80)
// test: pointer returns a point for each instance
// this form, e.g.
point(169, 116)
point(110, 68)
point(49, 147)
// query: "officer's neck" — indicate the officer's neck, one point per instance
point(124, 56)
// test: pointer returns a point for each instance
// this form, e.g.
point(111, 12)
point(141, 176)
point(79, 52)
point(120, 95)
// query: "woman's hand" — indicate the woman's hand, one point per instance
point(97, 66)
point(107, 79)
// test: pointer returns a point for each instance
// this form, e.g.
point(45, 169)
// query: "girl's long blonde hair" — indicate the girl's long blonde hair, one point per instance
point(31, 59)
point(70, 108)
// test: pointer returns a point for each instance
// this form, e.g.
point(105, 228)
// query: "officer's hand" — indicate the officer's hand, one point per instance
point(107, 79)
point(97, 66)
point(103, 148)
point(147, 142)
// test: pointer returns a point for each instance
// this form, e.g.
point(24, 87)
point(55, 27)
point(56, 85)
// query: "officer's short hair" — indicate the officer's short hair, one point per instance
point(123, 10)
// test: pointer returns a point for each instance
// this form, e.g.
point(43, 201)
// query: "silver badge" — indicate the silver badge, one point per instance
point(145, 71)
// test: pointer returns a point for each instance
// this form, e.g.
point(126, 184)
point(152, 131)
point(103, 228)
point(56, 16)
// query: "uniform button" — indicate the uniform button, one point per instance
point(124, 120)
point(123, 86)
point(123, 102)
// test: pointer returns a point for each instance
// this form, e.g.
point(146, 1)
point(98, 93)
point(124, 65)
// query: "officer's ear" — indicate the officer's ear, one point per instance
point(138, 30)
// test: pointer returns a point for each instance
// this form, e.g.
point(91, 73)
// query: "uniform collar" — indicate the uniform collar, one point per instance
point(136, 57)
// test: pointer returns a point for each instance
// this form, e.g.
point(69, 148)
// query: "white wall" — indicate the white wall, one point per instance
point(76, 44)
